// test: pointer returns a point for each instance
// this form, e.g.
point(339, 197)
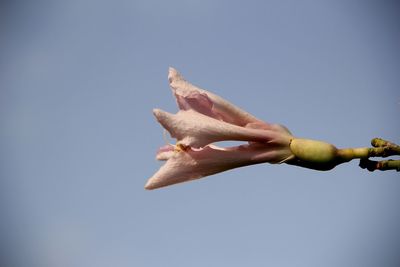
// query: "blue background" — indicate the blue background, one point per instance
point(78, 81)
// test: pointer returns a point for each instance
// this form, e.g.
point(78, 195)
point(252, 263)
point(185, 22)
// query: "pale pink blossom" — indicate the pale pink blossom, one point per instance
point(205, 118)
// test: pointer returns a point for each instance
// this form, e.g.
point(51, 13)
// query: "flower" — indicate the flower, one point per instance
point(205, 118)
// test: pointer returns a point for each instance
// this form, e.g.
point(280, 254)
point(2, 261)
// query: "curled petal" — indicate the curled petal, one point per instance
point(194, 129)
point(189, 96)
point(199, 102)
point(188, 165)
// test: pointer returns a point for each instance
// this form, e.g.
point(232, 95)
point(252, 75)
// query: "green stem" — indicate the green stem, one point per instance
point(383, 165)
point(347, 154)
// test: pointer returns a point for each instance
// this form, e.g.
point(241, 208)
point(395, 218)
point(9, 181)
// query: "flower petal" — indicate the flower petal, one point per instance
point(188, 165)
point(191, 128)
point(187, 96)
point(197, 101)
point(266, 126)
point(165, 152)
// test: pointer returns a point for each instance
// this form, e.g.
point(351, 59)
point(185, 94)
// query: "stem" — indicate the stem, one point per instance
point(383, 165)
point(348, 154)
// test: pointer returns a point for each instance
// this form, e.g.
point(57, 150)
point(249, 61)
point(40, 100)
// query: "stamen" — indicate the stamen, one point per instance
point(180, 147)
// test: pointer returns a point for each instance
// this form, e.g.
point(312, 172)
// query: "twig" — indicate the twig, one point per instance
point(382, 165)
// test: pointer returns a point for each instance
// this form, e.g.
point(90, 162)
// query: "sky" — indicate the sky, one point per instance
point(79, 80)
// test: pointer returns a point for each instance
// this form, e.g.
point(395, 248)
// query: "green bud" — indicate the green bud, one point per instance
point(314, 152)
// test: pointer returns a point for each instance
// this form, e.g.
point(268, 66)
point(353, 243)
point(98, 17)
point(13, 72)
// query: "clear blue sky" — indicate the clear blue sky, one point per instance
point(78, 81)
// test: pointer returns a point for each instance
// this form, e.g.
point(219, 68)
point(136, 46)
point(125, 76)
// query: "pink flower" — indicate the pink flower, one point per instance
point(205, 118)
